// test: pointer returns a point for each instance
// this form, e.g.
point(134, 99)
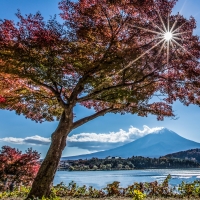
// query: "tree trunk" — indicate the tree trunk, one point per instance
point(42, 183)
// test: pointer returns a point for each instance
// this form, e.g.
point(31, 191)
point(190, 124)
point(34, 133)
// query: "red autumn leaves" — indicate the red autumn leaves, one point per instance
point(23, 167)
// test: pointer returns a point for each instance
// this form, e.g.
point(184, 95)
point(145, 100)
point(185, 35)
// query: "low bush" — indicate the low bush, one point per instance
point(138, 191)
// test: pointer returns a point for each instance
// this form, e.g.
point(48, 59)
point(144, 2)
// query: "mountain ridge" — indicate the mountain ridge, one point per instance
point(156, 144)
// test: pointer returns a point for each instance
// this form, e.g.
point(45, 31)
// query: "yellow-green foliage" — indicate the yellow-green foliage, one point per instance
point(190, 189)
point(138, 195)
point(22, 193)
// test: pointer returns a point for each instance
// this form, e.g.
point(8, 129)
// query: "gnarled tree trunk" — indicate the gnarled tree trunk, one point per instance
point(42, 183)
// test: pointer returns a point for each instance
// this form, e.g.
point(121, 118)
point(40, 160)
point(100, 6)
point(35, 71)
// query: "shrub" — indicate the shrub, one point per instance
point(17, 166)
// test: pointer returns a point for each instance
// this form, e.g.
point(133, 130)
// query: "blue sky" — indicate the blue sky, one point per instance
point(103, 132)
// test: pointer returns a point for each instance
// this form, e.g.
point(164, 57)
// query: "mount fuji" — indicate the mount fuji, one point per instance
point(155, 144)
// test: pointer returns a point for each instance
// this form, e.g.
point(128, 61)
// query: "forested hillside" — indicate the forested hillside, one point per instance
point(192, 154)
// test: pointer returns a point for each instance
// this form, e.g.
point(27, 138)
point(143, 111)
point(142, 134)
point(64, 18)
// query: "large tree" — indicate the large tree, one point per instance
point(111, 56)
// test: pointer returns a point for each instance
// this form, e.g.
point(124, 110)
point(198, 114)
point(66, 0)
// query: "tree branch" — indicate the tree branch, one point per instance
point(56, 93)
point(91, 117)
point(92, 95)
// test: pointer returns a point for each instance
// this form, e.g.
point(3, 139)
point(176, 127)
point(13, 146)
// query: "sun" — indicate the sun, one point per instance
point(168, 36)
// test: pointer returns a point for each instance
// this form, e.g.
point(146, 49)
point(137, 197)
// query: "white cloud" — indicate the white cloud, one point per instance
point(28, 140)
point(91, 141)
point(114, 137)
point(104, 141)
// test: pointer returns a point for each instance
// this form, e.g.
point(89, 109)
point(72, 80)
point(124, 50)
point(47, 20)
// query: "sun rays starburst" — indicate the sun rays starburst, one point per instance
point(167, 36)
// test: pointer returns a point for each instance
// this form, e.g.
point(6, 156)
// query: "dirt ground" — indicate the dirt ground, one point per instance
point(125, 198)
point(111, 198)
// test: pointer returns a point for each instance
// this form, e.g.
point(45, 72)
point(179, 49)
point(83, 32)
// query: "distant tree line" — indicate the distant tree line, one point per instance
point(135, 162)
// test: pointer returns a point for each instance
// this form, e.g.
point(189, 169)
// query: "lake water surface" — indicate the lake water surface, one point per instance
point(100, 179)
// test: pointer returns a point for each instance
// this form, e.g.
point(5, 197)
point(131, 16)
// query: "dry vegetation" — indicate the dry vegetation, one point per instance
point(111, 198)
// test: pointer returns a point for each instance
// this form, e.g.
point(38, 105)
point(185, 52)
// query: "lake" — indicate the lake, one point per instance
point(100, 179)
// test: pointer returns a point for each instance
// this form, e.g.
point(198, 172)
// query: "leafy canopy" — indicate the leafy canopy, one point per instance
point(102, 57)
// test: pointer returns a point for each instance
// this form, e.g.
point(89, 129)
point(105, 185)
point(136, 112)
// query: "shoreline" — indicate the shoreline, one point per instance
point(125, 169)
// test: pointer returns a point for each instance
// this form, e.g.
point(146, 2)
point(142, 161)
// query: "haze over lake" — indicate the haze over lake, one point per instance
point(99, 179)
